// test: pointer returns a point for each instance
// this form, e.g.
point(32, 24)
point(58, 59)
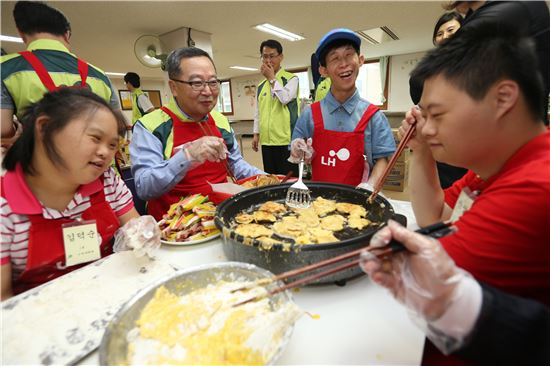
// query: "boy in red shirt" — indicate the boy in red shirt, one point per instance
point(479, 110)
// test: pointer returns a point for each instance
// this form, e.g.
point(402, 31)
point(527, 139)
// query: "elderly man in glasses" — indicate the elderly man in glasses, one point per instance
point(277, 110)
point(180, 148)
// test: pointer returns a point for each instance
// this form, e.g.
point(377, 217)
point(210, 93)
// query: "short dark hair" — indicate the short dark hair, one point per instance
point(271, 43)
point(446, 17)
point(476, 58)
point(132, 78)
point(37, 17)
point(61, 107)
point(334, 45)
point(174, 59)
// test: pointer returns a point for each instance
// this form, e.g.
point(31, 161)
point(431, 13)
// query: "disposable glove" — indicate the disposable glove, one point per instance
point(301, 149)
point(206, 148)
point(425, 279)
point(142, 235)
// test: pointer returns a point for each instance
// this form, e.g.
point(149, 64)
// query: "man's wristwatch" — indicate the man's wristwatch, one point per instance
point(272, 81)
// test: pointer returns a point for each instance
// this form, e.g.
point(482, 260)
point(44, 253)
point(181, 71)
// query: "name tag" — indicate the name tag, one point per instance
point(463, 203)
point(81, 242)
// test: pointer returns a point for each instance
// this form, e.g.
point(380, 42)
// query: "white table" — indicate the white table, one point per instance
point(358, 324)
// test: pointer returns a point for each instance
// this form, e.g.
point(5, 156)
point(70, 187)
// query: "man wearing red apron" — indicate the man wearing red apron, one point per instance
point(351, 138)
point(181, 148)
point(46, 65)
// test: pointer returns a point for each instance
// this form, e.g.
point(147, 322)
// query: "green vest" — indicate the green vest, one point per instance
point(276, 119)
point(161, 126)
point(24, 85)
point(137, 112)
point(322, 89)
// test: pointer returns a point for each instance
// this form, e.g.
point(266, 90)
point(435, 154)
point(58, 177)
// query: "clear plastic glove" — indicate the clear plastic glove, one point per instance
point(142, 235)
point(299, 148)
point(206, 148)
point(425, 279)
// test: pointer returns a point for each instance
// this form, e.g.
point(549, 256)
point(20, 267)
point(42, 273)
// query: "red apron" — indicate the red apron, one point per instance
point(45, 77)
point(196, 180)
point(339, 155)
point(46, 252)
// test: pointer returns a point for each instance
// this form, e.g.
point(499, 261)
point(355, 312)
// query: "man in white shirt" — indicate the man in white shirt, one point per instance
point(277, 110)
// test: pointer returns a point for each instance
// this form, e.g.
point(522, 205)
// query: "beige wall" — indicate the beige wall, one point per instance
point(400, 68)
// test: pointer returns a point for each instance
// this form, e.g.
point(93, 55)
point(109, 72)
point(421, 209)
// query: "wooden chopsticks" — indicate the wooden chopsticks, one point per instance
point(208, 132)
point(392, 162)
point(437, 230)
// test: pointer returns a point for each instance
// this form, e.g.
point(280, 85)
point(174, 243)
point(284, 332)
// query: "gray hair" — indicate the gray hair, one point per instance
point(174, 59)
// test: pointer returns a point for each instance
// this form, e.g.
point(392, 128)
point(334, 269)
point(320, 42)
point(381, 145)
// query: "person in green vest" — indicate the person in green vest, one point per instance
point(141, 105)
point(277, 110)
point(46, 65)
point(322, 88)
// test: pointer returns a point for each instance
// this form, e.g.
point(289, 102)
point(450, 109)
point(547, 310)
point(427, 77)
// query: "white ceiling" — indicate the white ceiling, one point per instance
point(104, 33)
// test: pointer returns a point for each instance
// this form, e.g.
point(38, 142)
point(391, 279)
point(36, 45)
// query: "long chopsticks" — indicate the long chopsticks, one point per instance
point(208, 132)
point(392, 162)
point(437, 230)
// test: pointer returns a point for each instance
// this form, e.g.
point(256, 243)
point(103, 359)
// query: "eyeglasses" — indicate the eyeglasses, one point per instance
point(198, 85)
point(269, 57)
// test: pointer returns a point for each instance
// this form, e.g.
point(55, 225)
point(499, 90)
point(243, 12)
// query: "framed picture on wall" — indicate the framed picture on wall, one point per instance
point(125, 99)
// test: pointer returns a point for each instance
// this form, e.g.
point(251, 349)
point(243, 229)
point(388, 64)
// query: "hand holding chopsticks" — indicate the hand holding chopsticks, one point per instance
point(343, 262)
point(427, 281)
point(207, 131)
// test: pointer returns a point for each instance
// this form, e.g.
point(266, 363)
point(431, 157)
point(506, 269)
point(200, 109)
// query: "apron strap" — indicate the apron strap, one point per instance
point(83, 71)
point(40, 70)
point(45, 77)
point(318, 122)
point(172, 115)
point(369, 112)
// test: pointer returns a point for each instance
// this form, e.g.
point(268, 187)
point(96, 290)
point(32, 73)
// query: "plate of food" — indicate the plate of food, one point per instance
point(189, 221)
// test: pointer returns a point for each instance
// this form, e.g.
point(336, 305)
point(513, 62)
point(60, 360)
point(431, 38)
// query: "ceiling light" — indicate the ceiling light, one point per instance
point(378, 35)
point(243, 68)
point(268, 28)
point(10, 39)
point(115, 73)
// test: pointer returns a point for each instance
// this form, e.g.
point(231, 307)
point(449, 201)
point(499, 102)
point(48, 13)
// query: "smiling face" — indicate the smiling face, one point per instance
point(342, 66)
point(457, 127)
point(196, 104)
point(446, 30)
point(87, 145)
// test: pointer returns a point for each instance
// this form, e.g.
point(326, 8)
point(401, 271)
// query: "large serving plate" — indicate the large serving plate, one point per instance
point(114, 345)
point(190, 242)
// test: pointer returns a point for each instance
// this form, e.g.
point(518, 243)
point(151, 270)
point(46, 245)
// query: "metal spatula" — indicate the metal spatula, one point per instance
point(298, 195)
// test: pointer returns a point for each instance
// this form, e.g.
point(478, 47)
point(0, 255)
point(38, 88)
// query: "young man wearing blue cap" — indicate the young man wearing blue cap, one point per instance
point(351, 138)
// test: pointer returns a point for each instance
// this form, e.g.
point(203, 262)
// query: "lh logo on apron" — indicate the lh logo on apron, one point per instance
point(343, 154)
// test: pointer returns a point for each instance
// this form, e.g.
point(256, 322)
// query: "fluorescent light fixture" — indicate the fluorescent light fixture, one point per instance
point(268, 28)
point(114, 73)
point(10, 39)
point(378, 35)
point(243, 68)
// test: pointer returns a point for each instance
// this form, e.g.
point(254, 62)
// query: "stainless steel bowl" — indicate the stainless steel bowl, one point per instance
point(114, 345)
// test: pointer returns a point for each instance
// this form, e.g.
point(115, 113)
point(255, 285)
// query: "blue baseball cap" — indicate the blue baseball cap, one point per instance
point(336, 35)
